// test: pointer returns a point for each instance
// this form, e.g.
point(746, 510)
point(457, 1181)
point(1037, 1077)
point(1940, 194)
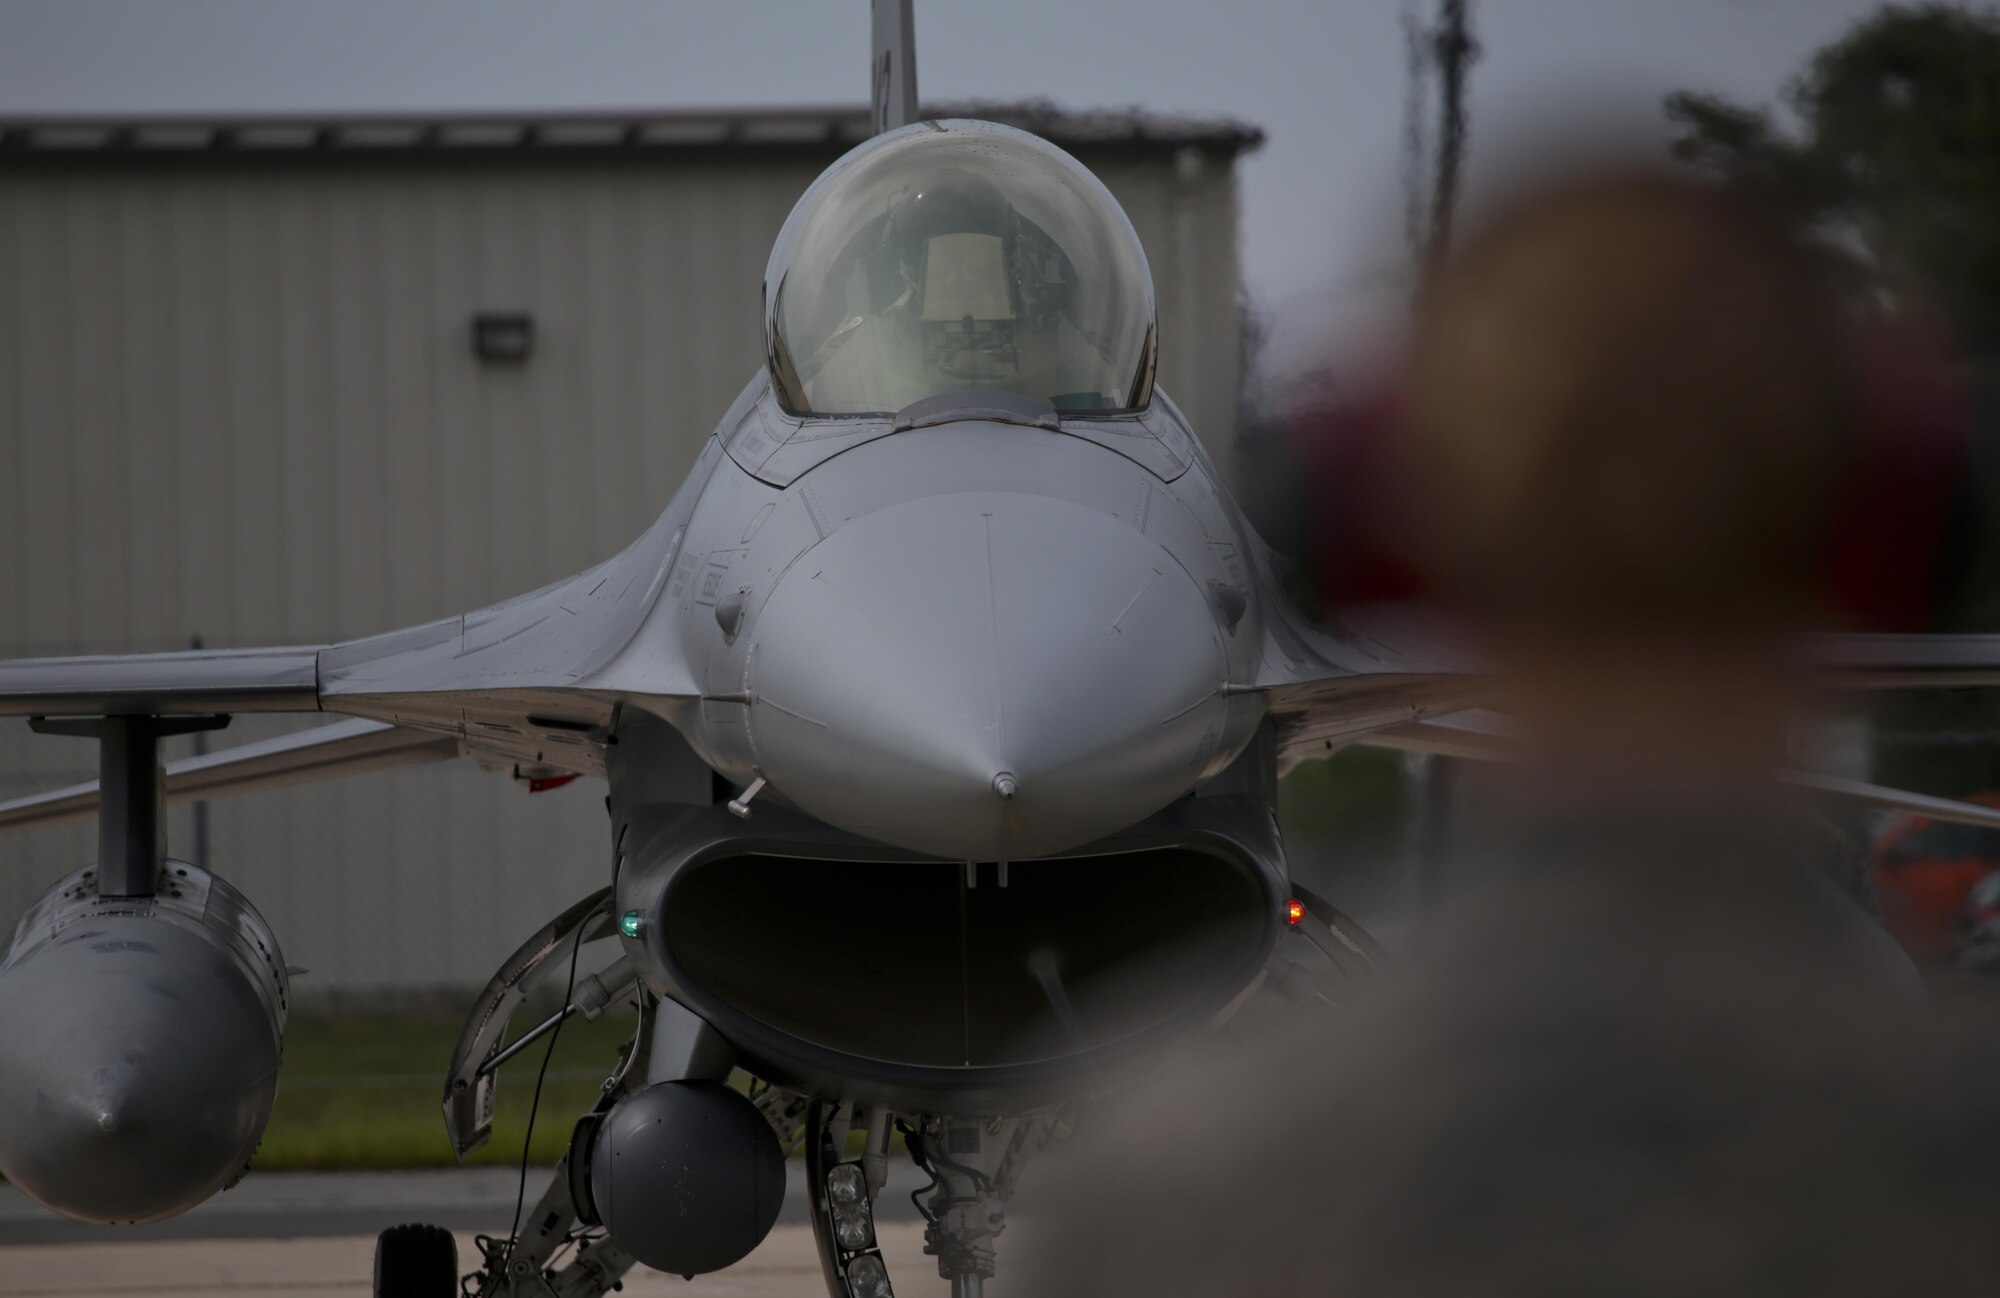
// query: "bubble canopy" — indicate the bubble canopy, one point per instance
point(958, 254)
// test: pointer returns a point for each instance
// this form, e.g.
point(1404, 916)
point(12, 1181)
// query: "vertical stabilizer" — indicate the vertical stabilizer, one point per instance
point(894, 70)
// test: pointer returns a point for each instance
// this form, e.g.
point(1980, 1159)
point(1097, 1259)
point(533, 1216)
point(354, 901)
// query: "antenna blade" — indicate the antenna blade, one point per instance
point(895, 65)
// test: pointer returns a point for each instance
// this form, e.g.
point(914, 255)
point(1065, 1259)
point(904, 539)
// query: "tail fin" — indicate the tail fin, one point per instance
point(894, 74)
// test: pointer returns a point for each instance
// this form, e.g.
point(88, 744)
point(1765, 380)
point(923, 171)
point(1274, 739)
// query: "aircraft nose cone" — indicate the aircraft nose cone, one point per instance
point(985, 677)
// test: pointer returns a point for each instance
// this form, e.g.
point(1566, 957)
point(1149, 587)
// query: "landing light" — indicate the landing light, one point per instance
point(1295, 911)
point(846, 1185)
point(853, 1230)
point(868, 1278)
point(853, 1223)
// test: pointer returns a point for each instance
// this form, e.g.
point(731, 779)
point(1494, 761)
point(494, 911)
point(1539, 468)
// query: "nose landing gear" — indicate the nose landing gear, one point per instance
point(965, 1213)
point(973, 1164)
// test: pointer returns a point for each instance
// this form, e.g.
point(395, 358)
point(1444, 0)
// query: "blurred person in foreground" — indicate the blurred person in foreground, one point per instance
point(1647, 1044)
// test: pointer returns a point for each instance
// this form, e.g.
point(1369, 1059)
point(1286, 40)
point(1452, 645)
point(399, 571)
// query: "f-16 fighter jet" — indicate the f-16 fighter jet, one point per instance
point(941, 710)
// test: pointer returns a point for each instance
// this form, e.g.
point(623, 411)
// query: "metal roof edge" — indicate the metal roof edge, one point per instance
point(582, 128)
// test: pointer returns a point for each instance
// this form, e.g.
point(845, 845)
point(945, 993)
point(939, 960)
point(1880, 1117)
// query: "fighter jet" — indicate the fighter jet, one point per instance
point(941, 711)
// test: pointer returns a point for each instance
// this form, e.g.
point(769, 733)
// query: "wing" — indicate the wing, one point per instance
point(1370, 670)
point(1901, 662)
point(537, 680)
point(1329, 681)
point(325, 752)
point(189, 682)
point(1482, 736)
point(534, 681)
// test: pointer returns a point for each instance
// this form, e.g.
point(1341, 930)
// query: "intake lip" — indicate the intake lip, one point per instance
point(902, 965)
point(726, 958)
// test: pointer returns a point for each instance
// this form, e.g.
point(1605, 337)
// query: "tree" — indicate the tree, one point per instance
point(1898, 152)
point(1895, 162)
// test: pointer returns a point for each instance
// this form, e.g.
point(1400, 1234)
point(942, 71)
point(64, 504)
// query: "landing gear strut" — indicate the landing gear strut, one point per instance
point(965, 1212)
point(842, 1196)
point(973, 1164)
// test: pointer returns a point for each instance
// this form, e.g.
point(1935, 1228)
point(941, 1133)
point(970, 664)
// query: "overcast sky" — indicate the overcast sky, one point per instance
point(1323, 77)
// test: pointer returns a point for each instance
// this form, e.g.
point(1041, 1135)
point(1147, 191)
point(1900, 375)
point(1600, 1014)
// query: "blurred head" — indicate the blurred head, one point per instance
point(1646, 1046)
point(1629, 416)
point(1635, 408)
point(1626, 427)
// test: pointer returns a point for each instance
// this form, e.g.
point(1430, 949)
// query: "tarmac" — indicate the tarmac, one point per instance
point(312, 1235)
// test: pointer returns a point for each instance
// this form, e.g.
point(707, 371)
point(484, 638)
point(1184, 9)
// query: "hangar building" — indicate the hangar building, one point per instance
point(289, 381)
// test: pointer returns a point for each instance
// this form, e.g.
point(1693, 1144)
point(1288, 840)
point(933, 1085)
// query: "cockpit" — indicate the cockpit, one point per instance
point(956, 255)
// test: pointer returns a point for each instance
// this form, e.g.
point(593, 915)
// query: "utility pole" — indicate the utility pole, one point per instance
point(893, 69)
point(1454, 49)
point(1448, 48)
point(1416, 132)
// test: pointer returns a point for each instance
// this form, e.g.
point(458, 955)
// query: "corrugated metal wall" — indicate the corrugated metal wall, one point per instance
point(238, 400)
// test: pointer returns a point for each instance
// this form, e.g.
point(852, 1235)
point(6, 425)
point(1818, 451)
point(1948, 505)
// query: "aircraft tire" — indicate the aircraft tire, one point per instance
point(416, 1260)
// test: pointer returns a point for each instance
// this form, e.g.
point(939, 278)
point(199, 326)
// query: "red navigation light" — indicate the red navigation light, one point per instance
point(1295, 911)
